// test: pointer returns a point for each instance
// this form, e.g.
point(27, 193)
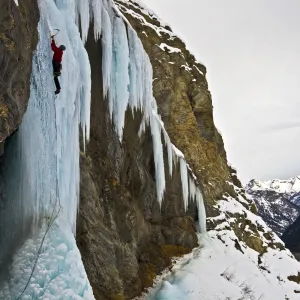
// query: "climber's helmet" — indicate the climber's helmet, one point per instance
point(62, 47)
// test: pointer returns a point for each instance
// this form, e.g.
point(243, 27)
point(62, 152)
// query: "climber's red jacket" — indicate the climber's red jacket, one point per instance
point(57, 56)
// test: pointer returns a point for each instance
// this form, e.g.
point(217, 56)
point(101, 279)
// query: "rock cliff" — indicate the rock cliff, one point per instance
point(18, 39)
point(124, 236)
point(184, 100)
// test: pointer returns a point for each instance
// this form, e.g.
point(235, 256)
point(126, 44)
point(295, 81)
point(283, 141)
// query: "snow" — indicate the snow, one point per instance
point(17, 3)
point(144, 10)
point(187, 68)
point(198, 70)
point(219, 270)
point(170, 49)
point(178, 152)
point(158, 29)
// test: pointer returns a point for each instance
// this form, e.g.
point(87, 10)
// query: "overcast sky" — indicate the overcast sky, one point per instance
point(252, 52)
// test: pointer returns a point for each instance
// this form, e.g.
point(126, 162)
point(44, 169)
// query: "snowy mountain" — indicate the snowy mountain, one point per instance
point(276, 201)
point(103, 185)
point(288, 187)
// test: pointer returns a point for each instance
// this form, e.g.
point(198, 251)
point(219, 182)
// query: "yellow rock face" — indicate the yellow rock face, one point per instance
point(184, 102)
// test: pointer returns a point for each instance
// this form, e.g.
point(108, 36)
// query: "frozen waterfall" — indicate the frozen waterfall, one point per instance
point(41, 170)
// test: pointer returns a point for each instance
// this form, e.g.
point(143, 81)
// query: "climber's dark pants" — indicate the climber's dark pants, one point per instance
point(56, 72)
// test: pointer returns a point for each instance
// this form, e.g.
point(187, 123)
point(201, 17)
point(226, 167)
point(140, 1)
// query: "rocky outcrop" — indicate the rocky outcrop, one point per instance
point(184, 100)
point(185, 104)
point(125, 238)
point(18, 39)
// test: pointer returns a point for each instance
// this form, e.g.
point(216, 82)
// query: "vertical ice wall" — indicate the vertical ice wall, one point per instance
point(42, 169)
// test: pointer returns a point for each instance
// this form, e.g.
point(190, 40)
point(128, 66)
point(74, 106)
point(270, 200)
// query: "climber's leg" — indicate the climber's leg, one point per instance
point(56, 72)
point(56, 81)
point(56, 68)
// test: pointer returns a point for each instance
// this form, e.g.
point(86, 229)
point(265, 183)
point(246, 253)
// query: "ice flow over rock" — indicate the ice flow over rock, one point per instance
point(41, 172)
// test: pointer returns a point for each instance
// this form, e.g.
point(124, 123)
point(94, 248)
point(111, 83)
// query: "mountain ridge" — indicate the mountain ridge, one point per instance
point(274, 200)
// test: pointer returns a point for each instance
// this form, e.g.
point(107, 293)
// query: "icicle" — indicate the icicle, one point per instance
point(118, 94)
point(127, 80)
point(201, 212)
point(136, 87)
point(83, 10)
point(192, 189)
point(140, 88)
point(169, 149)
point(184, 182)
point(106, 52)
point(96, 10)
point(158, 157)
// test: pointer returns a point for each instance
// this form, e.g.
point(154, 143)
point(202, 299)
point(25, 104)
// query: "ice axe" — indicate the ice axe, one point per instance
point(53, 35)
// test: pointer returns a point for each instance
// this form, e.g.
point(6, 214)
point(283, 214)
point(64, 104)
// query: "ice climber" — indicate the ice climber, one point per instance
point(56, 62)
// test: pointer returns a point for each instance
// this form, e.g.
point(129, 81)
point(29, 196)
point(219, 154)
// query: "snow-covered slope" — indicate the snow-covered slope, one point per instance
point(224, 267)
point(276, 201)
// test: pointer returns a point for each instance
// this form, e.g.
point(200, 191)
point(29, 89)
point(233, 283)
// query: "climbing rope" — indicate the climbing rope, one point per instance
point(40, 248)
point(52, 218)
